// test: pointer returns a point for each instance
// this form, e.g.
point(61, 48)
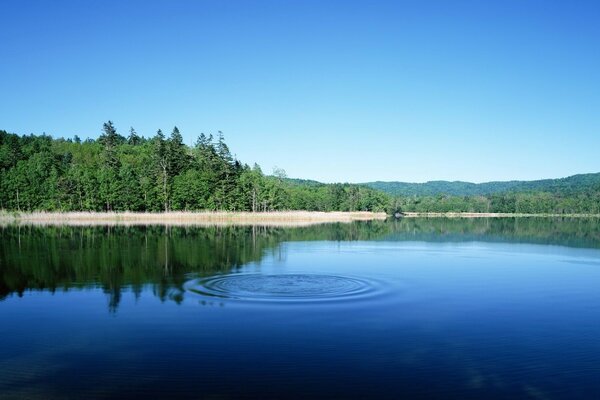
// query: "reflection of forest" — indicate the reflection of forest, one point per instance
point(113, 258)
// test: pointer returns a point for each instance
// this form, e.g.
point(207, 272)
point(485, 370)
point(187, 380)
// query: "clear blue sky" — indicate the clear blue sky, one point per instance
point(335, 91)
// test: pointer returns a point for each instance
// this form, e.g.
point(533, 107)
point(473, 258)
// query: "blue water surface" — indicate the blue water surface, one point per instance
point(383, 317)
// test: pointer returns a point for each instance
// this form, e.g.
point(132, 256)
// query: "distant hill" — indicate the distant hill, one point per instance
point(304, 182)
point(572, 184)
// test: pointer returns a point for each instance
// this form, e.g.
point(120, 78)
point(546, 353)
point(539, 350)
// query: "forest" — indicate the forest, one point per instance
point(577, 194)
point(509, 202)
point(566, 186)
point(134, 173)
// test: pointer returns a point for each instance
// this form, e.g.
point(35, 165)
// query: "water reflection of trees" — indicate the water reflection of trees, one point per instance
point(161, 258)
point(572, 232)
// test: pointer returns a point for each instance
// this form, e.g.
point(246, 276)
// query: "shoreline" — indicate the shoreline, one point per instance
point(183, 218)
point(411, 214)
point(212, 218)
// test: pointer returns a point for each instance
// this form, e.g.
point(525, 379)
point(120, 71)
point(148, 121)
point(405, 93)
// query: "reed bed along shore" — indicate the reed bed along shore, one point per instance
point(275, 218)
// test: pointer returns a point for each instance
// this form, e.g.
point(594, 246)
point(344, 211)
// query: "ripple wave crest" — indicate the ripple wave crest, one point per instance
point(283, 287)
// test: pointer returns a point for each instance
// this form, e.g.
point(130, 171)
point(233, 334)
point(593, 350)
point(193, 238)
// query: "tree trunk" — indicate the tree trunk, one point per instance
point(165, 187)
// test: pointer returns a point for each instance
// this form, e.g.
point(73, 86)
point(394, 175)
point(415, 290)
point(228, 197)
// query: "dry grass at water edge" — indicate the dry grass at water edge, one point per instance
point(276, 218)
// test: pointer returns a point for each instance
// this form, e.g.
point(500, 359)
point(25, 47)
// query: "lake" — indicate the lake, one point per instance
point(415, 308)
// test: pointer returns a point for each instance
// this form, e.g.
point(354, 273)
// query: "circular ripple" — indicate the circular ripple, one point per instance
point(286, 287)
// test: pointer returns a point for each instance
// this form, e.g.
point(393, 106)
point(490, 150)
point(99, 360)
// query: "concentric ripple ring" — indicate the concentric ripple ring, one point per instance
point(280, 287)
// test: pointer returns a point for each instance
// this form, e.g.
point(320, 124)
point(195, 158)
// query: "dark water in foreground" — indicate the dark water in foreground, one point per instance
point(504, 308)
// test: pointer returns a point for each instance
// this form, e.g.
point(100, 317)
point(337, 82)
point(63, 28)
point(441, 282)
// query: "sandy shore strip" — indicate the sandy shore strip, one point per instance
point(275, 218)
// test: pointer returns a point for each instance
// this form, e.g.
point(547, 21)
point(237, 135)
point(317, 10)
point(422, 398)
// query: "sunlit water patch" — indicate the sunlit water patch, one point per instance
point(283, 287)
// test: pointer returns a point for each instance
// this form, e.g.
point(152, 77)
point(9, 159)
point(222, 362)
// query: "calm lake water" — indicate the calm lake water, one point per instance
point(418, 308)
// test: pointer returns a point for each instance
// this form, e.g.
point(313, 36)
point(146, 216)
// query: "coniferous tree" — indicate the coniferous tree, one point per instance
point(110, 140)
point(161, 157)
point(133, 138)
point(177, 153)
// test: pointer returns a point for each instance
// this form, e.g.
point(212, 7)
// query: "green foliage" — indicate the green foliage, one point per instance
point(137, 174)
point(115, 173)
point(578, 194)
point(520, 203)
point(565, 186)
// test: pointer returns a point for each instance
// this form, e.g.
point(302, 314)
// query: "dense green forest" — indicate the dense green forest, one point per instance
point(570, 185)
point(510, 202)
point(572, 195)
point(133, 173)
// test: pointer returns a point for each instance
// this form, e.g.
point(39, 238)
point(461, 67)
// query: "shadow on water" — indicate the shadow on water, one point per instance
point(163, 258)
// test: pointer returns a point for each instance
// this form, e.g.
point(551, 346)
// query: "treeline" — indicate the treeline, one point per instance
point(584, 202)
point(133, 173)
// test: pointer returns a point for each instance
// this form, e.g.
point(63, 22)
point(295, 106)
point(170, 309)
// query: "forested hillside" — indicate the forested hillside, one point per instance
point(118, 173)
point(573, 195)
point(570, 185)
point(578, 194)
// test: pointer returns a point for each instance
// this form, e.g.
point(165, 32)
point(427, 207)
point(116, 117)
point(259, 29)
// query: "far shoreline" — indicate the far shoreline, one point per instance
point(411, 214)
point(216, 218)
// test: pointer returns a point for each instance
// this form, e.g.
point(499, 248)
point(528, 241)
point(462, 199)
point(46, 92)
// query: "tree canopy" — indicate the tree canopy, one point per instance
point(133, 173)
